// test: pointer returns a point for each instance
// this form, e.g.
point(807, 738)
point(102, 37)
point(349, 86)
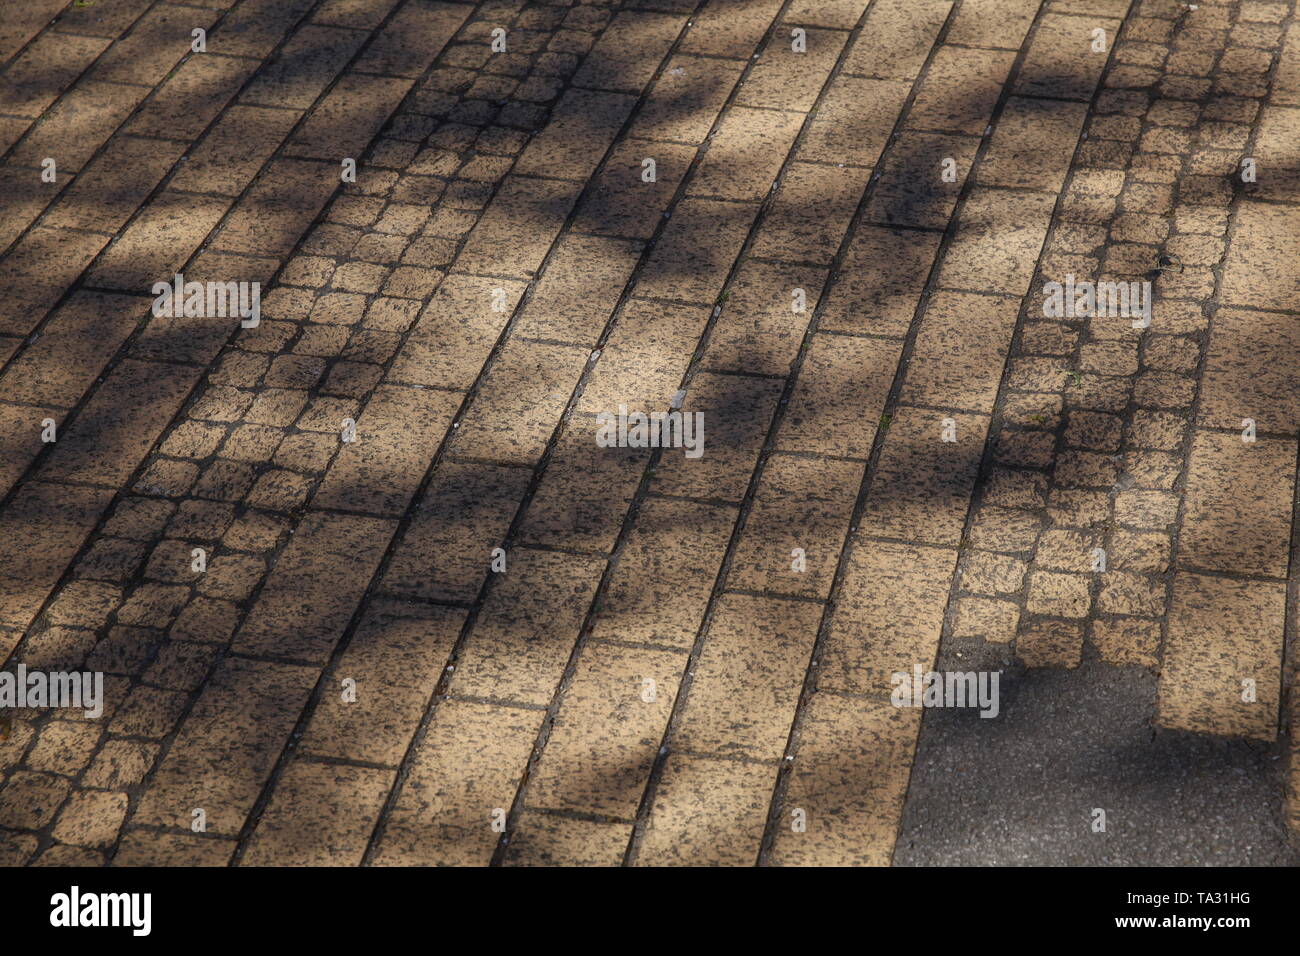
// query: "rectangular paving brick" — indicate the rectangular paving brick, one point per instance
point(545, 839)
point(113, 187)
point(952, 368)
point(1060, 60)
point(759, 331)
point(412, 39)
point(582, 127)
point(585, 492)
point(746, 155)
point(913, 187)
point(849, 777)
point(998, 239)
point(854, 121)
point(839, 396)
point(396, 658)
point(792, 538)
point(468, 766)
point(115, 429)
point(319, 815)
point(231, 154)
point(1237, 511)
point(576, 294)
point(23, 22)
point(396, 437)
point(157, 41)
point(349, 116)
point(27, 197)
point(1250, 372)
point(78, 125)
point(960, 90)
point(922, 484)
point(622, 202)
point(629, 51)
point(607, 731)
point(810, 213)
point(522, 639)
point(695, 253)
point(748, 678)
point(1222, 633)
point(456, 332)
point(44, 70)
point(41, 528)
point(644, 359)
point(732, 28)
point(313, 56)
point(253, 28)
point(1286, 82)
point(993, 23)
point(1256, 272)
point(693, 798)
point(665, 573)
point(881, 281)
point(782, 79)
point(37, 272)
point(1032, 145)
point(314, 587)
point(158, 242)
point(896, 38)
point(888, 615)
point(1277, 176)
point(359, 14)
point(190, 99)
point(686, 99)
point(21, 429)
point(737, 414)
point(446, 552)
point(516, 231)
point(227, 746)
point(72, 350)
point(275, 213)
point(519, 402)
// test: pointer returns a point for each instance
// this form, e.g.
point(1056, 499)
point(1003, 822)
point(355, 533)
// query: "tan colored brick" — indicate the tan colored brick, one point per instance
point(1060, 61)
point(576, 294)
point(912, 190)
point(1237, 515)
point(748, 678)
point(542, 839)
point(468, 766)
point(1050, 644)
point(658, 591)
point(1060, 595)
point(644, 359)
point(839, 396)
point(810, 213)
point(319, 815)
point(993, 23)
point(112, 187)
point(728, 28)
point(960, 90)
point(227, 746)
point(79, 124)
point(37, 272)
point(190, 98)
point(922, 485)
point(521, 642)
point(998, 240)
point(990, 619)
point(412, 39)
point(882, 278)
point(621, 202)
point(349, 116)
point(629, 51)
point(854, 121)
point(888, 615)
point(707, 812)
point(456, 332)
point(801, 503)
point(582, 127)
point(310, 595)
point(1032, 144)
point(1222, 633)
point(784, 80)
point(758, 330)
point(949, 367)
point(696, 250)
point(606, 734)
point(1249, 372)
point(737, 414)
point(311, 58)
point(446, 551)
point(516, 231)
point(896, 38)
point(275, 213)
point(44, 70)
point(746, 154)
point(160, 848)
point(850, 775)
point(687, 97)
point(156, 42)
point(91, 818)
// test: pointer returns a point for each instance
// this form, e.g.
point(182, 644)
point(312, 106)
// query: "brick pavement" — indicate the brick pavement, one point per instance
point(364, 586)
